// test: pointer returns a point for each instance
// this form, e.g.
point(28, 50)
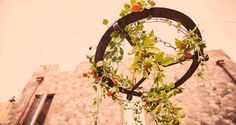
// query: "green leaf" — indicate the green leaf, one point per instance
point(120, 57)
point(177, 42)
point(112, 44)
point(152, 3)
point(155, 66)
point(139, 27)
point(160, 76)
point(137, 73)
point(148, 61)
point(171, 85)
point(133, 1)
point(152, 50)
point(114, 59)
point(159, 57)
point(114, 34)
point(115, 50)
point(121, 51)
point(95, 88)
point(136, 57)
point(145, 74)
point(126, 6)
point(124, 12)
point(134, 66)
point(179, 24)
point(151, 34)
point(105, 21)
point(149, 42)
point(167, 61)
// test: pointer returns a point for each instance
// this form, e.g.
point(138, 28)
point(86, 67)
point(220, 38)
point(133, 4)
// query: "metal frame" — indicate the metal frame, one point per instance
point(133, 17)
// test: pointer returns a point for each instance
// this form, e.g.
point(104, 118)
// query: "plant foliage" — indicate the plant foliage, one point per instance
point(148, 60)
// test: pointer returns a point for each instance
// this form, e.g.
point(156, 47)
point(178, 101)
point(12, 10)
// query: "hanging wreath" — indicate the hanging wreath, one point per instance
point(148, 60)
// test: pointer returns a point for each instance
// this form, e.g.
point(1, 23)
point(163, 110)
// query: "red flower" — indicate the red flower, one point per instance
point(85, 75)
point(97, 77)
point(182, 44)
point(187, 54)
point(115, 81)
point(109, 93)
point(136, 7)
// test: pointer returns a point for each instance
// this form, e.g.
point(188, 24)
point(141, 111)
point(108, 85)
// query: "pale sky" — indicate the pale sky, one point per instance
point(38, 32)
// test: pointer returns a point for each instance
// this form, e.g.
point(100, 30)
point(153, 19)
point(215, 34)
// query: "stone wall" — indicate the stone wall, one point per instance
point(72, 103)
point(211, 100)
point(208, 101)
point(5, 108)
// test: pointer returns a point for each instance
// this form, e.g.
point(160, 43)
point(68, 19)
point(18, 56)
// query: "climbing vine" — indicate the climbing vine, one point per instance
point(148, 62)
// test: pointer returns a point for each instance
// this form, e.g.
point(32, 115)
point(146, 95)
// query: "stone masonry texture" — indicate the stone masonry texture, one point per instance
point(207, 101)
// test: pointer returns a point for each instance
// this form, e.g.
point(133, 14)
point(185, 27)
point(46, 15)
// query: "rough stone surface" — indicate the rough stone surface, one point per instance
point(208, 101)
point(211, 100)
point(4, 110)
point(72, 103)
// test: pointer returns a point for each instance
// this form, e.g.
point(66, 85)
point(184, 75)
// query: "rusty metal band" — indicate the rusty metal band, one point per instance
point(133, 17)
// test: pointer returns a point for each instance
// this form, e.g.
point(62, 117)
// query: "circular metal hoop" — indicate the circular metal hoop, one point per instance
point(133, 17)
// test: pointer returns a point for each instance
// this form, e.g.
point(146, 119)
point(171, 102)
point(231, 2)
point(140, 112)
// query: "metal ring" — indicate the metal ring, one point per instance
point(154, 12)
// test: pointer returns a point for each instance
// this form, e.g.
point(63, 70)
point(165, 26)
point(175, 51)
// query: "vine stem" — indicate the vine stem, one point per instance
point(98, 107)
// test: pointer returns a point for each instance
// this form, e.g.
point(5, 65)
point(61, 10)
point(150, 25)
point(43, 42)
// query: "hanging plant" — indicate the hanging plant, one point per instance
point(148, 61)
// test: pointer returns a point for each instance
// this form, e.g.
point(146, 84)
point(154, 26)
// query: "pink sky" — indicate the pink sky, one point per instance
point(38, 32)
